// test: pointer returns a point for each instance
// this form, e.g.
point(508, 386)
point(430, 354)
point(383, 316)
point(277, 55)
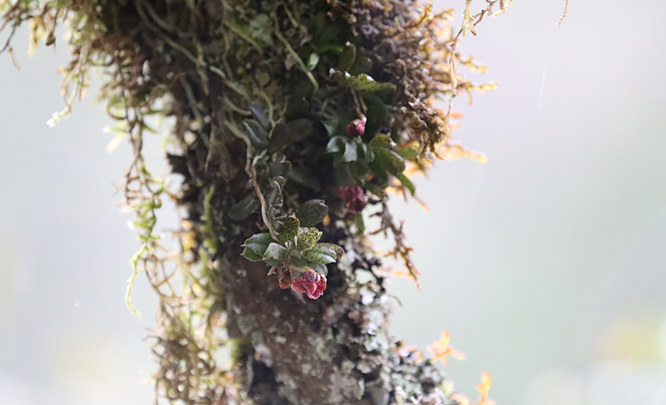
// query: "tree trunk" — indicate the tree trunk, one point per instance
point(273, 103)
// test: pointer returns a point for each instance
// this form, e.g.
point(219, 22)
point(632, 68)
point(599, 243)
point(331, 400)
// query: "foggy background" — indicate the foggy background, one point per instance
point(546, 264)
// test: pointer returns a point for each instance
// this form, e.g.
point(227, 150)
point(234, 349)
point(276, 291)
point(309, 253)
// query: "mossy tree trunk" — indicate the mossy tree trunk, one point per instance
point(276, 107)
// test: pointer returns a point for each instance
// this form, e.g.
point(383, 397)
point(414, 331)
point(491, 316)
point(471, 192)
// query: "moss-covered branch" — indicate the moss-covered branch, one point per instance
point(292, 121)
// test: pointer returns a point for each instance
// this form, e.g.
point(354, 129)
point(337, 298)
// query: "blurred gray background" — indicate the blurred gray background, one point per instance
point(546, 264)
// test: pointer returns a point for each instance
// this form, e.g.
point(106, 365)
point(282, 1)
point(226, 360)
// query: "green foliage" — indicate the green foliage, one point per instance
point(289, 229)
point(361, 82)
point(307, 238)
point(312, 212)
point(377, 158)
point(295, 248)
point(243, 208)
point(256, 246)
point(347, 57)
point(258, 135)
point(144, 223)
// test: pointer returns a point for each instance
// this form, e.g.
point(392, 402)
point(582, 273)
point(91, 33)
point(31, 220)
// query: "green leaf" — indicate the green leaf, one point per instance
point(272, 262)
point(331, 127)
point(368, 153)
point(299, 262)
point(377, 113)
point(243, 208)
point(362, 64)
point(289, 229)
point(359, 170)
point(338, 250)
point(256, 249)
point(362, 82)
point(300, 129)
point(275, 251)
point(312, 212)
point(297, 105)
point(312, 61)
point(258, 135)
point(381, 176)
point(279, 137)
point(351, 151)
point(259, 113)
point(336, 144)
point(360, 223)
point(326, 249)
point(260, 238)
point(319, 268)
point(406, 182)
point(279, 167)
point(347, 57)
point(407, 152)
point(307, 238)
point(390, 161)
point(251, 255)
point(385, 159)
point(328, 34)
point(257, 244)
point(375, 189)
point(381, 141)
point(305, 178)
point(316, 256)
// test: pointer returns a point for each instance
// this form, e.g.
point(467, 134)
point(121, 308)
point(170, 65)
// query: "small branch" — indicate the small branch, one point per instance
point(264, 206)
point(400, 249)
point(252, 173)
point(294, 54)
point(564, 14)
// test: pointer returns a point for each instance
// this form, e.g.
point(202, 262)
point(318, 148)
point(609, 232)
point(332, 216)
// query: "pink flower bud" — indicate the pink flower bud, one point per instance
point(311, 283)
point(354, 196)
point(356, 127)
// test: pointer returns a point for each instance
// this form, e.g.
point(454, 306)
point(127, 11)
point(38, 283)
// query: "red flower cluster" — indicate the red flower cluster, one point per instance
point(311, 283)
point(354, 196)
point(356, 127)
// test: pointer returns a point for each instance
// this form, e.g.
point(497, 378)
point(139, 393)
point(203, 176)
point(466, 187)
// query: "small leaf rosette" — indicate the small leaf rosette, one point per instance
point(296, 254)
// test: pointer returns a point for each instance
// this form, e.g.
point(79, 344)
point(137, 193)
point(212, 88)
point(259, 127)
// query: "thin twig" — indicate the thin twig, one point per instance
point(264, 205)
point(564, 14)
point(294, 54)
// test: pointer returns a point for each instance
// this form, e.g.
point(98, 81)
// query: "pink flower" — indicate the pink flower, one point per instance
point(356, 127)
point(310, 283)
point(354, 196)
